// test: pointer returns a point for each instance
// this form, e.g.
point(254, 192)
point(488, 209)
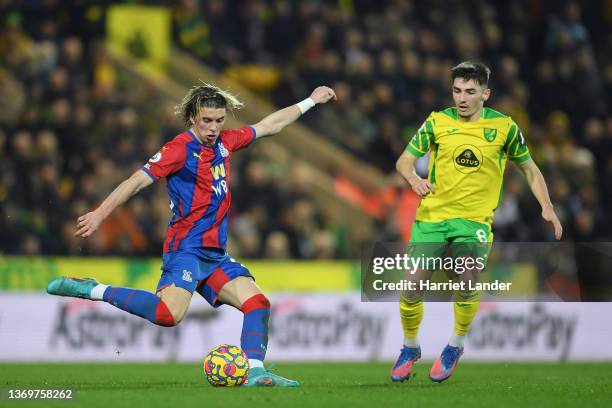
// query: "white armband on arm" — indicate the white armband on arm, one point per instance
point(305, 105)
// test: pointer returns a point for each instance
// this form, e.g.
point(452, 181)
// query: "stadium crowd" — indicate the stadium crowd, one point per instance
point(389, 63)
point(72, 128)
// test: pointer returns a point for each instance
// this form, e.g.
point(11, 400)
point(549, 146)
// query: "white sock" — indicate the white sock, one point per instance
point(456, 340)
point(413, 343)
point(97, 293)
point(255, 363)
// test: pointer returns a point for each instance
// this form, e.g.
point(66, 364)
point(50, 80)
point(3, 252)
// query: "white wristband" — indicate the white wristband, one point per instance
point(305, 105)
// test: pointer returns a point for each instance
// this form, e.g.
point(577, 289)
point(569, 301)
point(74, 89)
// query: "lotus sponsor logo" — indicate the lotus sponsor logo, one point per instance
point(467, 159)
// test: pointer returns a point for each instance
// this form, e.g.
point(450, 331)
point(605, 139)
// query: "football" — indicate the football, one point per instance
point(226, 366)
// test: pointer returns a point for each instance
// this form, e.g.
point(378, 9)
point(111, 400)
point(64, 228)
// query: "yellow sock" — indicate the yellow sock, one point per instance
point(464, 314)
point(411, 314)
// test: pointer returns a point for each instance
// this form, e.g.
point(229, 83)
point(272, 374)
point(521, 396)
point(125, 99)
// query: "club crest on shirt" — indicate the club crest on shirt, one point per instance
point(489, 134)
point(223, 150)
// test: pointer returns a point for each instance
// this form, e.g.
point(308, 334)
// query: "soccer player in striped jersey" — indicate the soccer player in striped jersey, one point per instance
point(196, 165)
point(469, 146)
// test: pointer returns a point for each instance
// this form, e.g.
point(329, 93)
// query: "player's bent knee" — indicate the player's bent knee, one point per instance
point(238, 291)
point(178, 312)
point(164, 316)
point(258, 301)
point(173, 306)
point(178, 316)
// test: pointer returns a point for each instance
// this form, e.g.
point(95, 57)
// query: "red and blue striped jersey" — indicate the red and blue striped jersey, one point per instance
point(198, 184)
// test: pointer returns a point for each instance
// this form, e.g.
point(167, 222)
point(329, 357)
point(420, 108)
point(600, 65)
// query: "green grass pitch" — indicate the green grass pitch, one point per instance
point(323, 384)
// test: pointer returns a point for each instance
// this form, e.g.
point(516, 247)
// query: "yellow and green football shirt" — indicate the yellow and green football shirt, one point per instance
point(467, 163)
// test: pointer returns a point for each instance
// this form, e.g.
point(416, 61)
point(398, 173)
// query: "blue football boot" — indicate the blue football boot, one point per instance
point(72, 287)
point(403, 366)
point(260, 377)
point(446, 364)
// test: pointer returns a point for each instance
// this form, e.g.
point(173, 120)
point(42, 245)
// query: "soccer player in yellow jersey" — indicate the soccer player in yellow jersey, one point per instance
point(469, 146)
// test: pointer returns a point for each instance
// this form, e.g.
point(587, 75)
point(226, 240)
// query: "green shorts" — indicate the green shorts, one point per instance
point(456, 237)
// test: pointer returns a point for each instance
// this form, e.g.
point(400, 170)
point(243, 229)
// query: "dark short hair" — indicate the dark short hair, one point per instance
point(472, 70)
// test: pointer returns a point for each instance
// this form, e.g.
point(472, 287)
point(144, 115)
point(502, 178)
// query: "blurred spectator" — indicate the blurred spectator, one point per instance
point(277, 246)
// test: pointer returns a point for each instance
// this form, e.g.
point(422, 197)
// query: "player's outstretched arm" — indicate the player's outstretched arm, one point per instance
point(405, 167)
point(87, 224)
point(275, 122)
point(536, 182)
